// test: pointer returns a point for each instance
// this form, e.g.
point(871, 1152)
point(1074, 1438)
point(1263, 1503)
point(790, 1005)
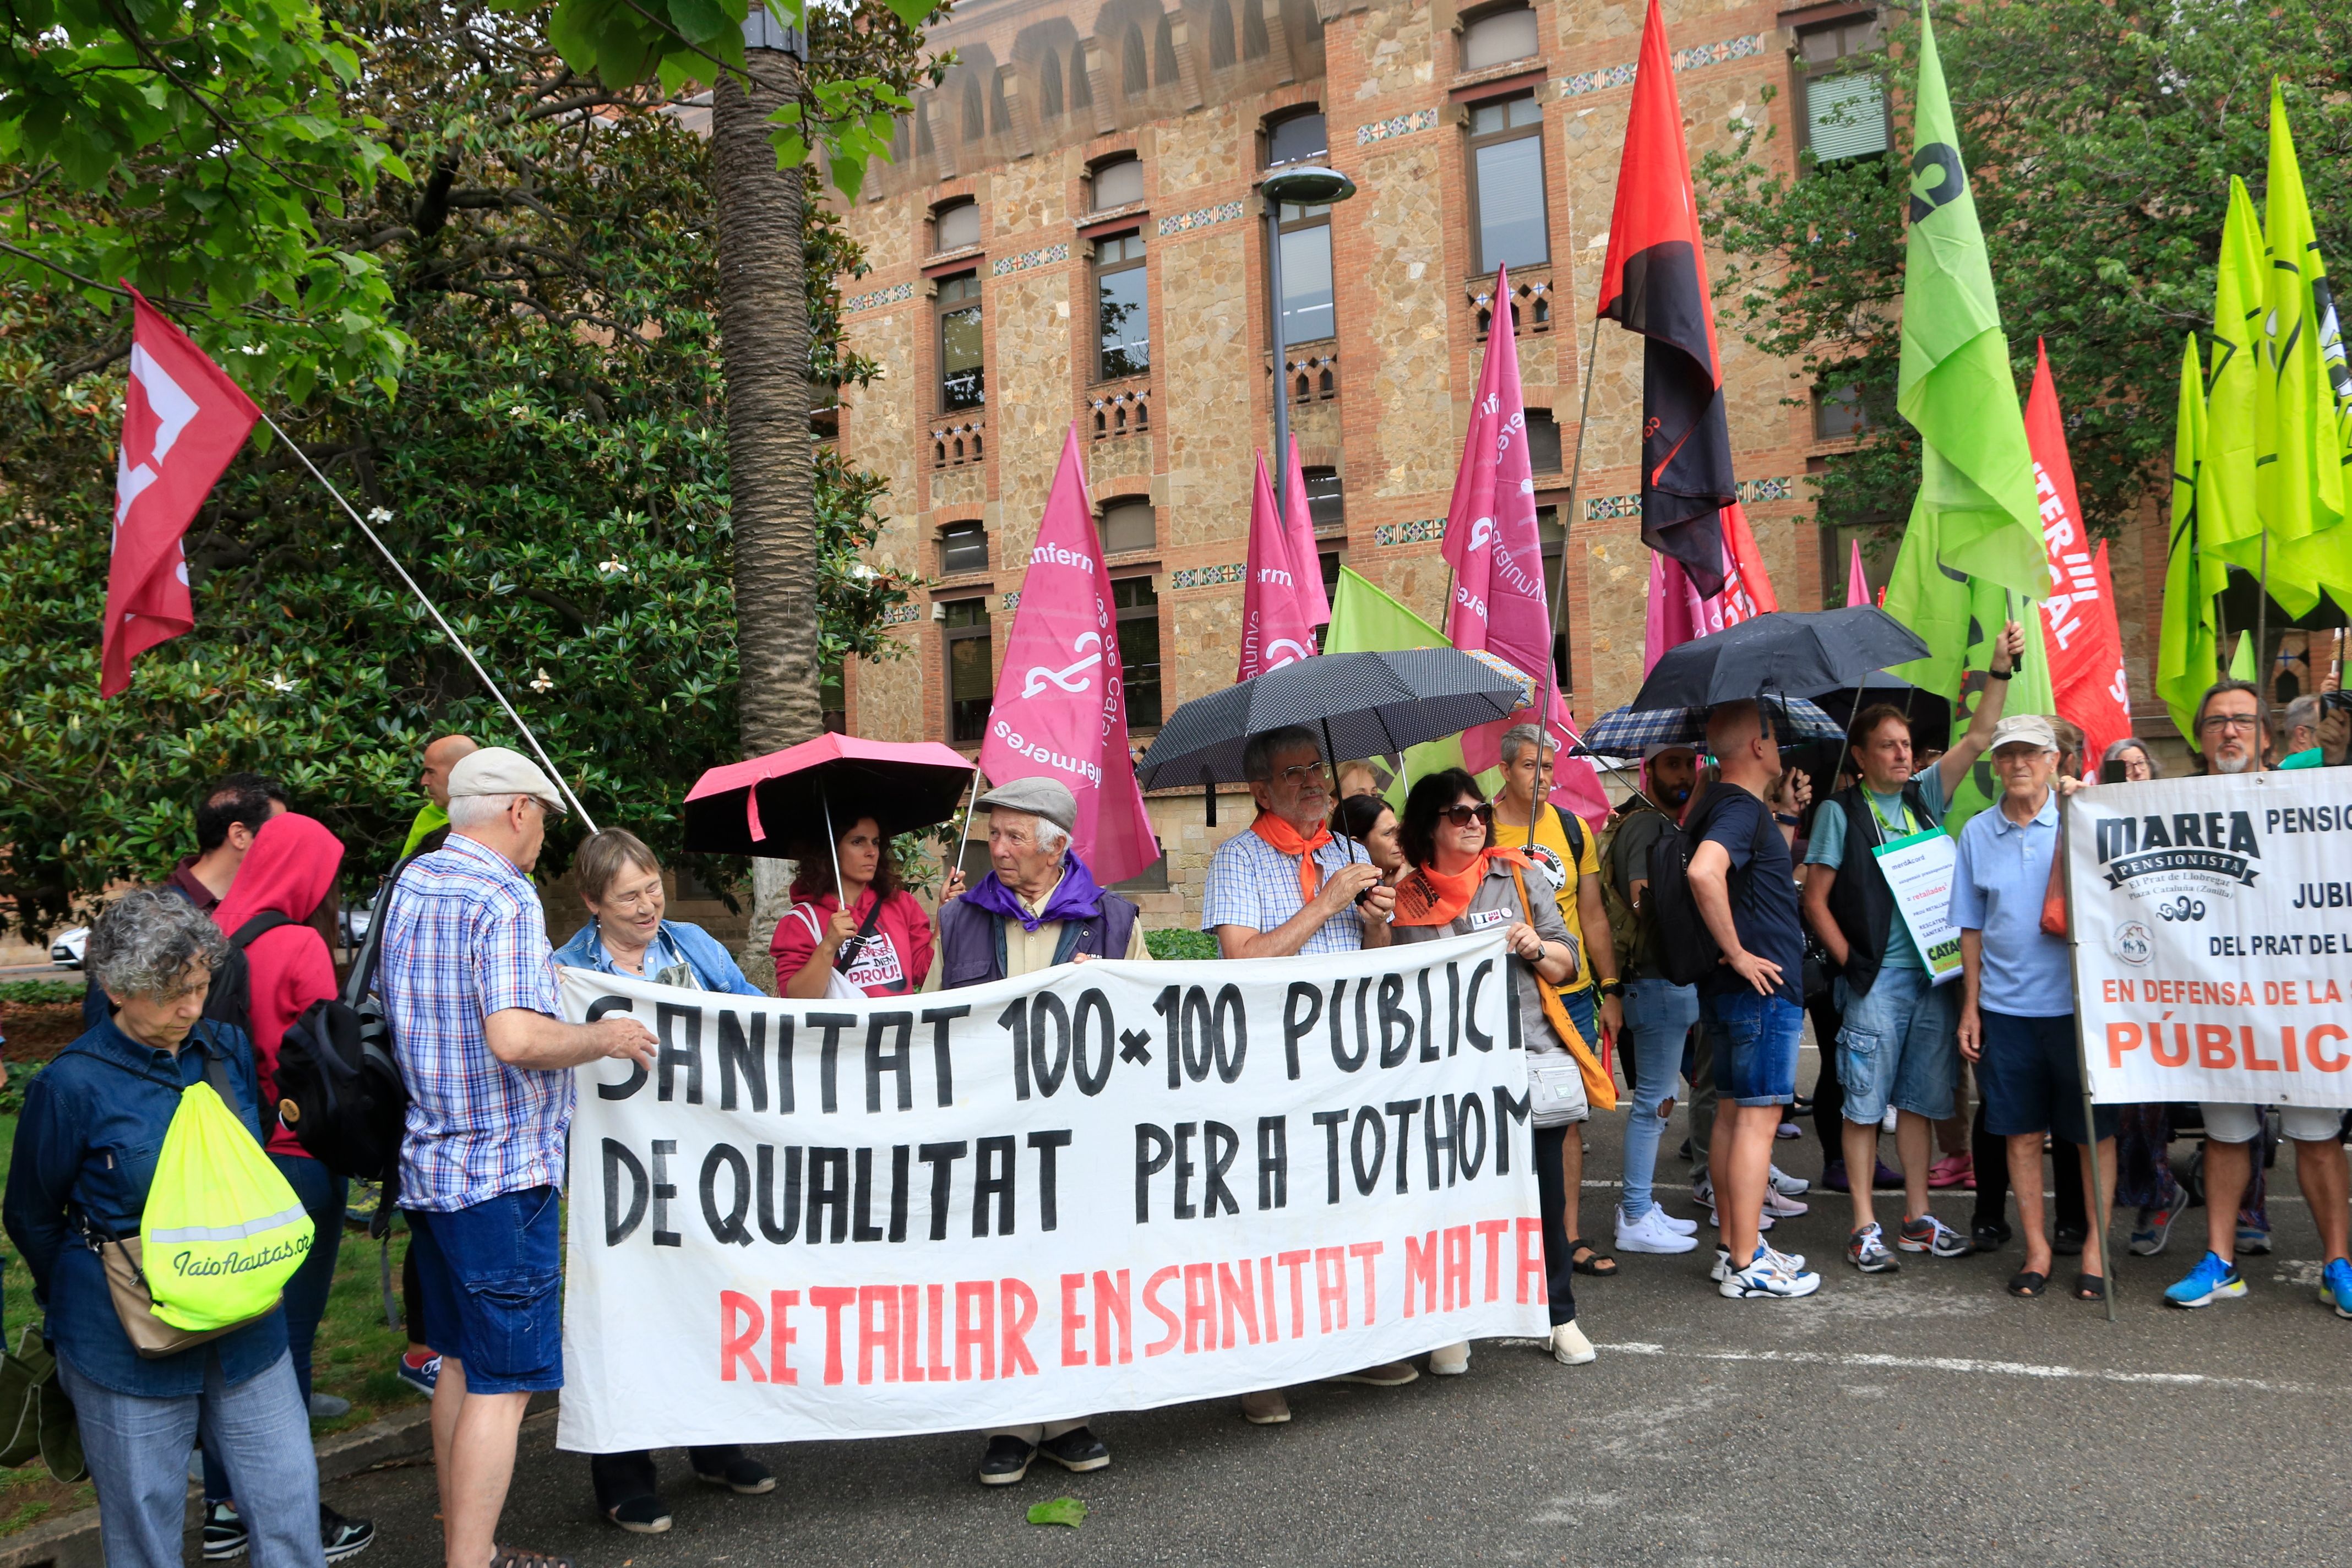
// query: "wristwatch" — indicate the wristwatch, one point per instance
point(1999, 674)
point(1612, 988)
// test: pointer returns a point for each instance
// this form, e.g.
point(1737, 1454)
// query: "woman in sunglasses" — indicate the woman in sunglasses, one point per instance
point(1460, 881)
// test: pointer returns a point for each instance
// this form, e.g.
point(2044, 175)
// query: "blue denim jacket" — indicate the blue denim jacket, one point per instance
point(92, 1127)
point(712, 964)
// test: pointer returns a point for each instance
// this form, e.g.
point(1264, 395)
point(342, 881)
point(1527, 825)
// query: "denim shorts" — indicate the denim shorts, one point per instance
point(490, 1275)
point(1755, 1043)
point(1896, 1046)
point(2031, 1079)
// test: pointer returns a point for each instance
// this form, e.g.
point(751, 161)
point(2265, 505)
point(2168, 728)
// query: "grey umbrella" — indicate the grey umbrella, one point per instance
point(1788, 653)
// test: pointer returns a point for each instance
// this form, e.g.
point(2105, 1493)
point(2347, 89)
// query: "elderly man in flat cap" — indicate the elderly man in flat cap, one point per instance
point(1037, 907)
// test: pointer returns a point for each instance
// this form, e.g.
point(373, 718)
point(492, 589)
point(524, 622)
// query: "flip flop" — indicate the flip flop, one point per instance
point(2027, 1283)
point(2090, 1288)
point(1599, 1264)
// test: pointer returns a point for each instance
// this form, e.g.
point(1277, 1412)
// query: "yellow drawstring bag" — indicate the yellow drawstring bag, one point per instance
point(222, 1231)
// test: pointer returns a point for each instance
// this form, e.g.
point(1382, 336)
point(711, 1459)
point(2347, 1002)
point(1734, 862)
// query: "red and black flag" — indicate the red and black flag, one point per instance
point(1656, 284)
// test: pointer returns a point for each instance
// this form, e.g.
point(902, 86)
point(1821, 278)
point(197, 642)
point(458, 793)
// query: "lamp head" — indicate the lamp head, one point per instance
point(1309, 185)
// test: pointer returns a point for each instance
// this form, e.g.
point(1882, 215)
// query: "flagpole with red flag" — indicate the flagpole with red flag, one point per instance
point(2078, 619)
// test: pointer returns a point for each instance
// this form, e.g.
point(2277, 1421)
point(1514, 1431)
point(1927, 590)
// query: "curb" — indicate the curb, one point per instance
point(71, 1540)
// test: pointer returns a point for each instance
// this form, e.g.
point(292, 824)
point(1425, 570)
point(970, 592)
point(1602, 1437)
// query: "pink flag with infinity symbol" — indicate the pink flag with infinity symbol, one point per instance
point(1060, 710)
point(1275, 626)
point(1306, 557)
point(1499, 605)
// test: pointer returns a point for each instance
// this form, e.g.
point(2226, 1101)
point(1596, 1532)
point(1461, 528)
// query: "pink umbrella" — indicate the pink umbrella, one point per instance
point(773, 806)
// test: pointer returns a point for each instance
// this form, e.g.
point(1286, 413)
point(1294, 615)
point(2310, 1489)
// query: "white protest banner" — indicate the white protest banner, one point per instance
point(1918, 871)
point(1104, 1187)
point(2211, 920)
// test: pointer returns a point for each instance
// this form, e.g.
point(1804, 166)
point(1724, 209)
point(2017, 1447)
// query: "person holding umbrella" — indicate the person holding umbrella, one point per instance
point(1037, 907)
point(865, 929)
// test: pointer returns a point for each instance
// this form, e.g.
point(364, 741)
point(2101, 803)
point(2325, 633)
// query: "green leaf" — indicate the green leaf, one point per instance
point(912, 12)
point(1066, 1511)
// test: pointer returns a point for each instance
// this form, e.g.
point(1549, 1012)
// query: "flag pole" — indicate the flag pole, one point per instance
point(963, 827)
point(446, 630)
point(1567, 523)
point(2262, 629)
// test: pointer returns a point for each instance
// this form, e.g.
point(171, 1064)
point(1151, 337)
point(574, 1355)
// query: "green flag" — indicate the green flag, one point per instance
point(1955, 384)
point(2229, 520)
point(1366, 620)
point(1933, 601)
point(2030, 691)
point(2299, 471)
point(2241, 663)
point(2187, 650)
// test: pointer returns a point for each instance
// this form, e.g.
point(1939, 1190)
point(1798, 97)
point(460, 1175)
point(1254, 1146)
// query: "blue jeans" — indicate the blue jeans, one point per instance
point(1660, 1015)
point(138, 1454)
point(1896, 1046)
point(491, 1274)
point(323, 1194)
point(1755, 1040)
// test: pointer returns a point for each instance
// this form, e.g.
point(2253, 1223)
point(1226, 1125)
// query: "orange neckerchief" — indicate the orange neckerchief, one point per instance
point(1431, 897)
point(1287, 840)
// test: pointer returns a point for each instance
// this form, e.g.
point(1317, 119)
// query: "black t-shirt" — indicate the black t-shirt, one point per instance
point(1763, 892)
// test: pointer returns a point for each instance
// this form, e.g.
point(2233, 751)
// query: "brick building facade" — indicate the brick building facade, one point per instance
point(1072, 233)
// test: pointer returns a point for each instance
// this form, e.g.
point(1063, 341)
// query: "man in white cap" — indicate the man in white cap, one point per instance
point(1037, 907)
point(468, 986)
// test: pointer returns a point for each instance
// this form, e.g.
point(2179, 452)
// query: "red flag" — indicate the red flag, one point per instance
point(1746, 586)
point(2078, 618)
point(1060, 710)
point(183, 420)
point(1306, 555)
point(1679, 612)
point(1654, 283)
point(1276, 629)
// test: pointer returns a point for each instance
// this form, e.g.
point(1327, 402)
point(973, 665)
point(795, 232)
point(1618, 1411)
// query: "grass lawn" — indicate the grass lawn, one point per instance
point(353, 1359)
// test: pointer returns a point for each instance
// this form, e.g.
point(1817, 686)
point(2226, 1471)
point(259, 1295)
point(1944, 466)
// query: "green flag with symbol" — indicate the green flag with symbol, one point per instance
point(2299, 465)
point(2229, 518)
point(2187, 652)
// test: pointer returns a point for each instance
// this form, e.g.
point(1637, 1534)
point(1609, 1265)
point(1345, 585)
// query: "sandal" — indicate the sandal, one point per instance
point(2027, 1283)
point(1595, 1262)
point(515, 1557)
point(2090, 1288)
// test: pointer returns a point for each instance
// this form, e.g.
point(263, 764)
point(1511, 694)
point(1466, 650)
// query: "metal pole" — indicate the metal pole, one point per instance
point(2100, 1186)
point(2261, 630)
point(963, 829)
point(840, 893)
point(1505, 319)
point(446, 630)
point(1281, 371)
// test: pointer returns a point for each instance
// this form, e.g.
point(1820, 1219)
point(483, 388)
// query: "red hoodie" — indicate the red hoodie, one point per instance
point(894, 963)
point(290, 869)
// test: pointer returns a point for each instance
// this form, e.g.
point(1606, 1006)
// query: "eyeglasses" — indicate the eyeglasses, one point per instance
point(1464, 816)
point(2231, 721)
point(1302, 775)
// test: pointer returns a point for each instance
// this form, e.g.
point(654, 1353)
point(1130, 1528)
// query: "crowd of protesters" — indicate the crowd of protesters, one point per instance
point(1792, 893)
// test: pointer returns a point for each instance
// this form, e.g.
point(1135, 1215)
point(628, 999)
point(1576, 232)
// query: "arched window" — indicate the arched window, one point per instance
point(1294, 138)
point(1163, 53)
point(1221, 34)
point(1000, 113)
point(975, 117)
point(1499, 35)
point(1049, 86)
point(1135, 78)
point(1254, 43)
point(1082, 86)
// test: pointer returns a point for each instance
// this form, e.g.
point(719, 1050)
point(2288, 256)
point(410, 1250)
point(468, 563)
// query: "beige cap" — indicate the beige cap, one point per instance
point(1048, 798)
point(495, 770)
point(2025, 730)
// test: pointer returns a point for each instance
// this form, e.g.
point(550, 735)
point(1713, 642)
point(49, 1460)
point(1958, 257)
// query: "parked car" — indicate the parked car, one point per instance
point(66, 950)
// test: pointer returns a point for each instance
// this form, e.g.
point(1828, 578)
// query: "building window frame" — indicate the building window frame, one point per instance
point(1105, 524)
point(1097, 199)
point(1120, 261)
point(952, 212)
point(1301, 222)
point(1481, 20)
point(1135, 604)
point(1277, 123)
point(963, 624)
point(957, 309)
point(1543, 442)
point(1510, 127)
point(963, 548)
point(1853, 37)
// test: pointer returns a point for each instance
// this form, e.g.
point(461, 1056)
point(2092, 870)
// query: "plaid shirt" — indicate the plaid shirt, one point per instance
point(1252, 883)
point(464, 937)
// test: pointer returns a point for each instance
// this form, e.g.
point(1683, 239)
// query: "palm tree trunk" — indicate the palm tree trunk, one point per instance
point(764, 331)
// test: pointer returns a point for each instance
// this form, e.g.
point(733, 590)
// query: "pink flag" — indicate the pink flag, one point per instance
point(1490, 526)
point(2078, 619)
point(1306, 557)
point(1746, 586)
point(1857, 584)
point(1276, 629)
point(1677, 612)
point(1060, 710)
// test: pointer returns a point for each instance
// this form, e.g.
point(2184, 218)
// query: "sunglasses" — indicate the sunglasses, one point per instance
point(1464, 816)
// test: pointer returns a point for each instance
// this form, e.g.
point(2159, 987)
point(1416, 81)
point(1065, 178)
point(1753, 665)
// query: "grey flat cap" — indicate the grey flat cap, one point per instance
point(1048, 798)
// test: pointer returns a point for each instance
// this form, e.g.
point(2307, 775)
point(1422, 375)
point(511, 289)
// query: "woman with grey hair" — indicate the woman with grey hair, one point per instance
point(2139, 761)
point(85, 1150)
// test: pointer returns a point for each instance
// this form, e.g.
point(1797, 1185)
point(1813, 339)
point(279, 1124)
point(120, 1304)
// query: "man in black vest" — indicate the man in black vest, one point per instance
point(1896, 1044)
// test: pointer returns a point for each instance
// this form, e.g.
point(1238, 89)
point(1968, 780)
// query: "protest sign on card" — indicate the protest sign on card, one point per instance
point(2212, 927)
point(1104, 1187)
point(1918, 871)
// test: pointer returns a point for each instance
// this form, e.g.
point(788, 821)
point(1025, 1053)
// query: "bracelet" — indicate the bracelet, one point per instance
point(1612, 988)
point(1999, 674)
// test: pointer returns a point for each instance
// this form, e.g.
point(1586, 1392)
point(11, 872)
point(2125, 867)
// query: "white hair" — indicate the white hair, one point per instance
point(479, 810)
point(150, 939)
point(1051, 838)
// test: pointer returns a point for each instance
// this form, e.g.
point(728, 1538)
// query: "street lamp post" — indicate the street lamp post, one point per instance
point(1307, 185)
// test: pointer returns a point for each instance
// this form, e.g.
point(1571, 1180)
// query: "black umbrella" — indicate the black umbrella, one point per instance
point(1791, 654)
point(1363, 704)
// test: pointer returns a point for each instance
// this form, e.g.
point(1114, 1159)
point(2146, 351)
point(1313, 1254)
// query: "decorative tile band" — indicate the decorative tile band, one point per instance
point(1043, 256)
point(900, 614)
point(1420, 531)
point(1200, 218)
point(1398, 125)
point(898, 293)
point(1185, 577)
point(1754, 490)
point(1693, 59)
point(1751, 491)
point(1598, 509)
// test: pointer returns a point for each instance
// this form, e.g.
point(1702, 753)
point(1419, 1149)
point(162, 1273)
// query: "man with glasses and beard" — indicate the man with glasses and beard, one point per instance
point(2231, 735)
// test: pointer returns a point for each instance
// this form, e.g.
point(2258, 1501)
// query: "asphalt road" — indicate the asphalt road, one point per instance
point(1923, 1417)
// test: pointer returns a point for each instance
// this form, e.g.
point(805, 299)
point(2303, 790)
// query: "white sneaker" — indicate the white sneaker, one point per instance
point(1704, 1191)
point(1886, 1122)
point(1687, 1226)
point(1787, 1185)
point(1788, 1262)
point(1650, 1233)
point(1450, 1360)
point(1569, 1345)
point(1778, 1205)
point(1764, 1277)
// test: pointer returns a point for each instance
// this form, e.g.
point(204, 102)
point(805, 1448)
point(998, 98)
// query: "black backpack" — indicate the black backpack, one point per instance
point(338, 1088)
point(1686, 949)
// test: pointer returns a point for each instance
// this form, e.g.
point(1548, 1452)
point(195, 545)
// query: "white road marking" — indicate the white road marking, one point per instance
point(1972, 1364)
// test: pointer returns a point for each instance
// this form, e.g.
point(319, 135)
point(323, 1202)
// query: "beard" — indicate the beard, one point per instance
point(2242, 763)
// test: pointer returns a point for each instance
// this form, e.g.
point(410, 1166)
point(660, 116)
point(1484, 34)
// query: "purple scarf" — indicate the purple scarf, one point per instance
point(1076, 898)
